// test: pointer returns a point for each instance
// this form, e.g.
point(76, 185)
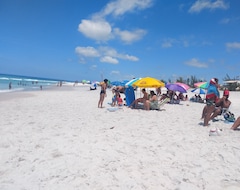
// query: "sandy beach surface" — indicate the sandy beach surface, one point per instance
point(59, 140)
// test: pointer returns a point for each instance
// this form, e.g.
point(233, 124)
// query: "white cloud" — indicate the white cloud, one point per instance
point(230, 20)
point(115, 72)
point(107, 51)
point(129, 36)
point(233, 45)
point(87, 51)
point(99, 30)
point(200, 5)
point(120, 7)
point(168, 43)
point(109, 59)
point(225, 21)
point(106, 54)
point(195, 63)
point(129, 57)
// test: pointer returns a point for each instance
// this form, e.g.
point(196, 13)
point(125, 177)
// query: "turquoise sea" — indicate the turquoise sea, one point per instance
point(21, 83)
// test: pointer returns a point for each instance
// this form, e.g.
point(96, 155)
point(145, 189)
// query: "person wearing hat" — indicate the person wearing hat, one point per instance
point(212, 97)
point(222, 104)
point(102, 93)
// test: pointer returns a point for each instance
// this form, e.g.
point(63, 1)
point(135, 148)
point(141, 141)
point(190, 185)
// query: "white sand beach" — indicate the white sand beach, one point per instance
point(59, 140)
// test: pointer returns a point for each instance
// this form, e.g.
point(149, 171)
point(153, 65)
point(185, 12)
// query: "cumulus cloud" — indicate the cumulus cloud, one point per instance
point(109, 59)
point(87, 51)
point(99, 30)
point(200, 5)
point(128, 57)
point(107, 51)
point(233, 45)
point(170, 42)
point(196, 63)
point(129, 36)
point(120, 7)
point(106, 54)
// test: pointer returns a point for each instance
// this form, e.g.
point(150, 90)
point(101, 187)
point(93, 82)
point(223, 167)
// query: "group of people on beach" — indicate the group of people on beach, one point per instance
point(214, 104)
point(116, 97)
point(217, 106)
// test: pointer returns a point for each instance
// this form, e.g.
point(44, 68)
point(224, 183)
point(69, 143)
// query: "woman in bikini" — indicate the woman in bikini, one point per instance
point(102, 93)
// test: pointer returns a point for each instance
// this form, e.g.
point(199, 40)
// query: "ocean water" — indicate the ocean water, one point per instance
point(21, 83)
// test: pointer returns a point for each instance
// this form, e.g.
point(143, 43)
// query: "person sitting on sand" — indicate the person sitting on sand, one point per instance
point(200, 100)
point(181, 97)
point(119, 100)
point(236, 124)
point(167, 95)
point(152, 103)
point(115, 95)
point(142, 100)
point(211, 99)
point(102, 93)
point(221, 105)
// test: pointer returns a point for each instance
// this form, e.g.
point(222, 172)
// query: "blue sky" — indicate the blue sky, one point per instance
point(120, 39)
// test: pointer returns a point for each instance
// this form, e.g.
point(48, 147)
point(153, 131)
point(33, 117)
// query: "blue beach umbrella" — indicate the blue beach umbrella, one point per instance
point(129, 83)
point(117, 83)
point(198, 91)
point(125, 81)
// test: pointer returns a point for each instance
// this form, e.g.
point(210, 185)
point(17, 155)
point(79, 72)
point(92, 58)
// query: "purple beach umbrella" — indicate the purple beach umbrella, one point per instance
point(176, 87)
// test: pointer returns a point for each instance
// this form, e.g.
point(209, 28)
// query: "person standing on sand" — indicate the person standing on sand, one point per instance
point(102, 93)
point(211, 99)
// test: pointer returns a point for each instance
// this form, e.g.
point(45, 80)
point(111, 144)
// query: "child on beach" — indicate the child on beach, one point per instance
point(119, 100)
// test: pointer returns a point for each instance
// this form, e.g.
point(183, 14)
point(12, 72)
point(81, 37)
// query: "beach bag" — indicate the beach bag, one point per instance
point(229, 116)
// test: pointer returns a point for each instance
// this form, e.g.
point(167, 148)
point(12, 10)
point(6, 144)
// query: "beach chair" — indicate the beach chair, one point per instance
point(161, 103)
